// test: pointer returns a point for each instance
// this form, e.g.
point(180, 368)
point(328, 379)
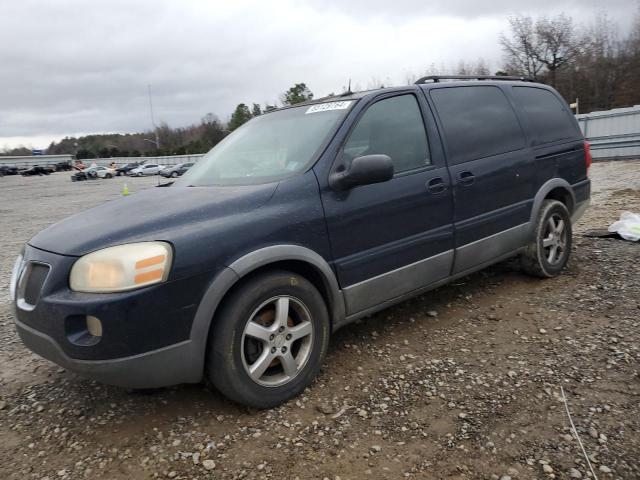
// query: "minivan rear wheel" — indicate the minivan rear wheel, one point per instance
point(549, 253)
point(268, 340)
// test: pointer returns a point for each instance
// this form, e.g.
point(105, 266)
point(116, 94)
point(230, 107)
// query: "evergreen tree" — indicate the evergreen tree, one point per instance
point(297, 94)
point(240, 115)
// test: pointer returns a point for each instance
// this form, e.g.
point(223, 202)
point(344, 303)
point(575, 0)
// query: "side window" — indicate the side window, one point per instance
point(549, 119)
point(392, 127)
point(478, 122)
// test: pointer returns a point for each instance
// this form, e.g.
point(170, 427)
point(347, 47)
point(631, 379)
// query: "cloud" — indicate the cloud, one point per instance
point(75, 66)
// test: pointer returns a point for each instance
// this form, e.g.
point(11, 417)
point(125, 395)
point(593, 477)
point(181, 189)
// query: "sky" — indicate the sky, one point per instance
point(72, 67)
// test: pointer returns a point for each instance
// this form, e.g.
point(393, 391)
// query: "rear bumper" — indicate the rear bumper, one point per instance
point(179, 363)
point(579, 210)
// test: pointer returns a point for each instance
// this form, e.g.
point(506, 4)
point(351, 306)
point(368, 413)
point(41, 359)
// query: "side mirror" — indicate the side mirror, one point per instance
point(363, 171)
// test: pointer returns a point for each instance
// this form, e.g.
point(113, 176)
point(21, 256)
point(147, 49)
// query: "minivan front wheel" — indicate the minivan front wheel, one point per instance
point(268, 340)
point(550, 252)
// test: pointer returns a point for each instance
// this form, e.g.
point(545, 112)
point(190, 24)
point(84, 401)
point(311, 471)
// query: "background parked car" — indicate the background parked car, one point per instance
point(8, 170)
point(126, 168)
point(63, 166)
point(93, 173)
point(175, 170)
point(104, 172)
point(35, 170)
point(147, 169)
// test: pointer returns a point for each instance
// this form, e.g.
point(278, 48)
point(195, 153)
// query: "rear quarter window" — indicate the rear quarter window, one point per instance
point(478, 122)
point(548, 117)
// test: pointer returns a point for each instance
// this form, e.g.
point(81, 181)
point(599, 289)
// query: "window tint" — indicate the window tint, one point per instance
point(478, 122)
point(392, 127)
point(549, 119)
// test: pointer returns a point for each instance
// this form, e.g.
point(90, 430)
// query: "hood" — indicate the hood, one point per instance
point(153, 214)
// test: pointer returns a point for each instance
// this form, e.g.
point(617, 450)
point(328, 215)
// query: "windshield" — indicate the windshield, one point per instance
point(269, 147)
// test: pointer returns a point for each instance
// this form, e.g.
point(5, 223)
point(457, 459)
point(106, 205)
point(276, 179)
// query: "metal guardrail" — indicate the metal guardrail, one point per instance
point(612, 134)
point(30, 161)
point(162, 160)
point(43, 160)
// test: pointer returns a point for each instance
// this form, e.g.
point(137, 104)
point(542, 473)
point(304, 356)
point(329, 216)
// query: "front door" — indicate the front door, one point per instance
point(390, 238)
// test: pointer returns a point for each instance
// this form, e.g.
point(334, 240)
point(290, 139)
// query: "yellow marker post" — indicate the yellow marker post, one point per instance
point(125, 190)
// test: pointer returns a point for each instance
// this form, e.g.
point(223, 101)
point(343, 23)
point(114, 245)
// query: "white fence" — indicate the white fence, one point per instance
point(613, 134)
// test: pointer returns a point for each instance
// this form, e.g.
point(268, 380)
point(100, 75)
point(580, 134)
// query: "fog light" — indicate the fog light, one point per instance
point(94, 326)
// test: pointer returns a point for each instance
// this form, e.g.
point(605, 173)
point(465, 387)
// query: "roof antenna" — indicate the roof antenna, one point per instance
point(348, 91)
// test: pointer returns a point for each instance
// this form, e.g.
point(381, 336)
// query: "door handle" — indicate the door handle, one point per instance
point(436, 185)
point(466, 178)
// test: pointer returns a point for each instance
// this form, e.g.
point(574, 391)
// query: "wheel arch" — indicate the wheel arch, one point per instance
point(302, 261)
point(555, 189)
point(295, 258)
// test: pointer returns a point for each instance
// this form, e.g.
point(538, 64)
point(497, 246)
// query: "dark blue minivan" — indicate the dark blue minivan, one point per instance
point(299, 222)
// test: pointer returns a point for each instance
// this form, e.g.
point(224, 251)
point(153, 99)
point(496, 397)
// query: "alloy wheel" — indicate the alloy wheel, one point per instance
point(554, 241)
point(277, 341)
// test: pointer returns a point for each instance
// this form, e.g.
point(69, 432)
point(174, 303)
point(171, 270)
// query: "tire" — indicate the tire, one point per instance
point(550, 252)
point(174, 174)
point(233, 352)
point(108, 175)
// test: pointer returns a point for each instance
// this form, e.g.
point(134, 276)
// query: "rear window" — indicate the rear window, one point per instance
point(478, 122)
point(549, 118)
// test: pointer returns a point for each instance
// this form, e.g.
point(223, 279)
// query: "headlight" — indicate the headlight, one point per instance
point(121, 268)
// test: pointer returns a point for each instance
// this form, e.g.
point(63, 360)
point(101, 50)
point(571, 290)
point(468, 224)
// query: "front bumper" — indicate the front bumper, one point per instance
point(145, 338)
point(166, 366)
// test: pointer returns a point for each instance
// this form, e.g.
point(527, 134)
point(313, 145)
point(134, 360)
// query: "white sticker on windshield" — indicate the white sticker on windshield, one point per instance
point(325, 107)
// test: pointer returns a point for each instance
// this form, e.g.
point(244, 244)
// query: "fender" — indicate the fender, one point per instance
point(241, 267)
point(277, 253)
point(212, 297)
point(543, 191)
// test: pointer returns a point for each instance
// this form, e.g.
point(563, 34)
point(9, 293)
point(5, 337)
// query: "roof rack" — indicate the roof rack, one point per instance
point(439, 78)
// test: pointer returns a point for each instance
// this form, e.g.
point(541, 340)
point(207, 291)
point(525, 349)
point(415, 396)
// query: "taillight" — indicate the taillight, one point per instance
point(587, 155)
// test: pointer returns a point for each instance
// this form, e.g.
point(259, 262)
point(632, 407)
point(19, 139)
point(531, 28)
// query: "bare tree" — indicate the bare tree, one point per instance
point(557, 43)
point(520, 48)
point(479, 67)
point(541, 47)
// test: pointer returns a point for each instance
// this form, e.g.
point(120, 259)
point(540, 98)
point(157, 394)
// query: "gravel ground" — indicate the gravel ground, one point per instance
point(462, 382)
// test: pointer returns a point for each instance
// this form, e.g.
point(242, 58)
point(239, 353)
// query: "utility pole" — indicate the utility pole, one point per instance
point(153, 122)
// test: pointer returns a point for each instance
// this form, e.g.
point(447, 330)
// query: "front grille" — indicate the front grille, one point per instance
point(32, 285)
